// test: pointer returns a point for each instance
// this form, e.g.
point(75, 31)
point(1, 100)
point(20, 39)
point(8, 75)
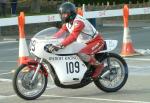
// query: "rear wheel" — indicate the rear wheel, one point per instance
point(22, 82)
point(117, 74)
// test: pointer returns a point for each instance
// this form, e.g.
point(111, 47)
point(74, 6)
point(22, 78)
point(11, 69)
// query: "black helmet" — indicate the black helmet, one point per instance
point(67, 11)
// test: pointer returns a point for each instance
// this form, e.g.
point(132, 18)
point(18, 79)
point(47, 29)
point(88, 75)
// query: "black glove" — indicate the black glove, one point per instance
point(51, 48)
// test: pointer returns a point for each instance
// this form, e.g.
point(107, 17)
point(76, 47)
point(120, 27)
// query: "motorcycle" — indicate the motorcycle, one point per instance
point(65, 68)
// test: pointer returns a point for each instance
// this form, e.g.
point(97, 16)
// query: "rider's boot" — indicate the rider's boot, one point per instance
point(98, 67)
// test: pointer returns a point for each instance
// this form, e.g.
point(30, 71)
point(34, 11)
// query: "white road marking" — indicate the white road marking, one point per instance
point(5, 73)
point(138, 59)
point(106, 33)
point(147, 27)
point(96, 99)
point(4, 97)
point(5, 80)
point(51, 86)
point(139, 67)
point(4, 42)
point(9, 49)
point(8, 61)
point(83, 98)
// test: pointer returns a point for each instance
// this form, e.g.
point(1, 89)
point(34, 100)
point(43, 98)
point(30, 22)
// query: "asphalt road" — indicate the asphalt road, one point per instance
point(136, 90)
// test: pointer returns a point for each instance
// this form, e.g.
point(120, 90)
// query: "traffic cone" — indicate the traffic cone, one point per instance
point(23, 49)
point(127, 47)
point(79, 11)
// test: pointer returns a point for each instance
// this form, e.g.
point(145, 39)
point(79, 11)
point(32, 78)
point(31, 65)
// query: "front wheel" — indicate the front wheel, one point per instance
point(22, 82)
point(117, 73)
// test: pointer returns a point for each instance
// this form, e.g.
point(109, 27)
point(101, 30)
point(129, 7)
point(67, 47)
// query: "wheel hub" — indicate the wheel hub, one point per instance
point(26, 81)
point(112, 75)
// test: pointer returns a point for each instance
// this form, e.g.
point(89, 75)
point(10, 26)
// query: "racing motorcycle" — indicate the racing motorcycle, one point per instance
point(65, 68)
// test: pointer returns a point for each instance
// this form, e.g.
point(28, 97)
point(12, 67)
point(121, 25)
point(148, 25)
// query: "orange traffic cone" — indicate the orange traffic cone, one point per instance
point(23, 49)
point(79, 11)
point(127, 47)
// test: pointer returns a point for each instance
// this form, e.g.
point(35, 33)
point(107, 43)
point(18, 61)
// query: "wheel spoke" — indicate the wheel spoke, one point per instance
point(24, 87)
point(116, 76)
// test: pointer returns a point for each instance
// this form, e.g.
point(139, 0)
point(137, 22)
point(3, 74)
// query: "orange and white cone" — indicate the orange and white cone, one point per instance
point(127, 47)
point(23, 49)
point(81, 11)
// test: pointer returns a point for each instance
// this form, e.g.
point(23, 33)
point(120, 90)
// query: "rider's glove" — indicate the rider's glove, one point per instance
point(51, 48)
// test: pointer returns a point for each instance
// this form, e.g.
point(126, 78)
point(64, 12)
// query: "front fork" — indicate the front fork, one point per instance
point(108, 64)
point(108, 61)
point(37, 69)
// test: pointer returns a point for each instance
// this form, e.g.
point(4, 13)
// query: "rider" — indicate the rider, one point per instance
point(80, 31)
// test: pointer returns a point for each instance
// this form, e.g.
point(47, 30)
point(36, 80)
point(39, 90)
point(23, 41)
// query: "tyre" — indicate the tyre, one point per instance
point(117, 75)
point(22, 82)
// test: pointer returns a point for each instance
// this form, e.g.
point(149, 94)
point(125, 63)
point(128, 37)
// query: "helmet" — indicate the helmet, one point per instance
point(67, 12)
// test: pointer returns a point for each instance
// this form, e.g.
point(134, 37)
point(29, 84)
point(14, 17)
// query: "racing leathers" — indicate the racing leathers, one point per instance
point(82, 31)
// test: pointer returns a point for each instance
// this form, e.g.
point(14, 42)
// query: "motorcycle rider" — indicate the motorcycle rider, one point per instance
point(81, 31)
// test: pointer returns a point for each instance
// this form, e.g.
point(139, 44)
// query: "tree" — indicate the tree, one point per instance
point(35, 6)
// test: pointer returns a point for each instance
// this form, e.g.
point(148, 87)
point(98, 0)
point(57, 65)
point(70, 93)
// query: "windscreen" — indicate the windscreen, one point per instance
point(48, 33)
